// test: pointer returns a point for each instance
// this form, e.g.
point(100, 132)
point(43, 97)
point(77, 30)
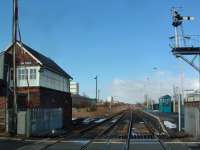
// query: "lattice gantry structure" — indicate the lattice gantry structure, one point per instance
point(186, 47)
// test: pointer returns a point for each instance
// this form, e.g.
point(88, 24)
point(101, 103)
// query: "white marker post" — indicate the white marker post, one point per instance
point(179, 112)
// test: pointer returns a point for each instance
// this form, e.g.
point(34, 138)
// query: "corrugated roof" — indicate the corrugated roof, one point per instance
point(46, 61)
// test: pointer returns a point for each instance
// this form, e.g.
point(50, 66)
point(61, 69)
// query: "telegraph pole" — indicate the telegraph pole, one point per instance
point(96, 78)
point(99, 95)
point(14, 40)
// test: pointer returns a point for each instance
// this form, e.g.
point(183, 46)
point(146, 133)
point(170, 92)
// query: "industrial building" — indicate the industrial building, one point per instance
point(194, 96)
point(77, 99)
point(41, 84)
point(74, 87)
point(82, 101)
point(165, 104)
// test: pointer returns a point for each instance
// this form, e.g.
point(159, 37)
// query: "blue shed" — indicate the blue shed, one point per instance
point(165, 104)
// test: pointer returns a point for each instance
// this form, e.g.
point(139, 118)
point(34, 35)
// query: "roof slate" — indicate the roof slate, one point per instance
point(46, 61)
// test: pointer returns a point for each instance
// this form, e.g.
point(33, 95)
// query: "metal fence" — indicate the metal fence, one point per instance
point(186, 41)
point(41, 120)
point(192, 121)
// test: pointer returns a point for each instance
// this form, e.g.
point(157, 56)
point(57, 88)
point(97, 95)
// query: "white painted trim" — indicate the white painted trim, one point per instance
point(24, 50)
point(29, 53)
point(32, 82)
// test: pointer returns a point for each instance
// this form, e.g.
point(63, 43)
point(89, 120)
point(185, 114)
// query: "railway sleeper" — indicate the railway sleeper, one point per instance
point(143, 136)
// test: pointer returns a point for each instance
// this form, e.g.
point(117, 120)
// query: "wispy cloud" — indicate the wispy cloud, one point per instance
point(162, 83)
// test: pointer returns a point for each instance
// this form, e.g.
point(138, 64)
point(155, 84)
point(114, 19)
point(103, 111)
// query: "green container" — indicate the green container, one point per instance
point(165, 104)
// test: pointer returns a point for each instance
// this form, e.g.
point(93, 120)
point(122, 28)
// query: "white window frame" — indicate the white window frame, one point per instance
point(33, 74)
point(22, 73)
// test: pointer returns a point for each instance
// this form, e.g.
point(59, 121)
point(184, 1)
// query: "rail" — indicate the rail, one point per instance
point(151, 136)
point(164, 147)
point(159, 121)
point(109, 139)
point(129, 132)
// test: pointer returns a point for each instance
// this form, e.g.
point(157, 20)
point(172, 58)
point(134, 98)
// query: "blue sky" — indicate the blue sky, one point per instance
point(119, 40)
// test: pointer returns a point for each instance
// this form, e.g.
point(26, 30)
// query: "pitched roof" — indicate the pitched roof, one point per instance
point(45, 61)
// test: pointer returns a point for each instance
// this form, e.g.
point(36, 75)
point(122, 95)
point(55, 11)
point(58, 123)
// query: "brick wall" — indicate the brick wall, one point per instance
point(2, 114)
point(55, 99)
point(46, 98)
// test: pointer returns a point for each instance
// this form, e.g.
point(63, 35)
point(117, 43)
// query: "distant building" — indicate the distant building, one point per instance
point(165, 104)
point(74, 87)
point(77, 99)
point(191, 97)
point(82, 101)
point(110, 99)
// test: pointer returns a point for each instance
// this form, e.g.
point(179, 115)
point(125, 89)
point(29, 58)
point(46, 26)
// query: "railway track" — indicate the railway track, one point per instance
point(118, 129)
point(129, 132)
point(120, 132)
point(144, 132)
point(124, 131)
point(100, 131)
point(82, 129)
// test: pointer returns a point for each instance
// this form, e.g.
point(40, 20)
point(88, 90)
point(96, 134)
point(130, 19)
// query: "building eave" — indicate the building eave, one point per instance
point(21, 46)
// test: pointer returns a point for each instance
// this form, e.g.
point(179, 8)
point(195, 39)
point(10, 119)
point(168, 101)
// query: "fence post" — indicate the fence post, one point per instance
point(28, 122)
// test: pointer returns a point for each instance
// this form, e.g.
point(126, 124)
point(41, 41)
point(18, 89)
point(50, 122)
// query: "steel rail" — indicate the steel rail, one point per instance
point(161, 143)
point(129, 132)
